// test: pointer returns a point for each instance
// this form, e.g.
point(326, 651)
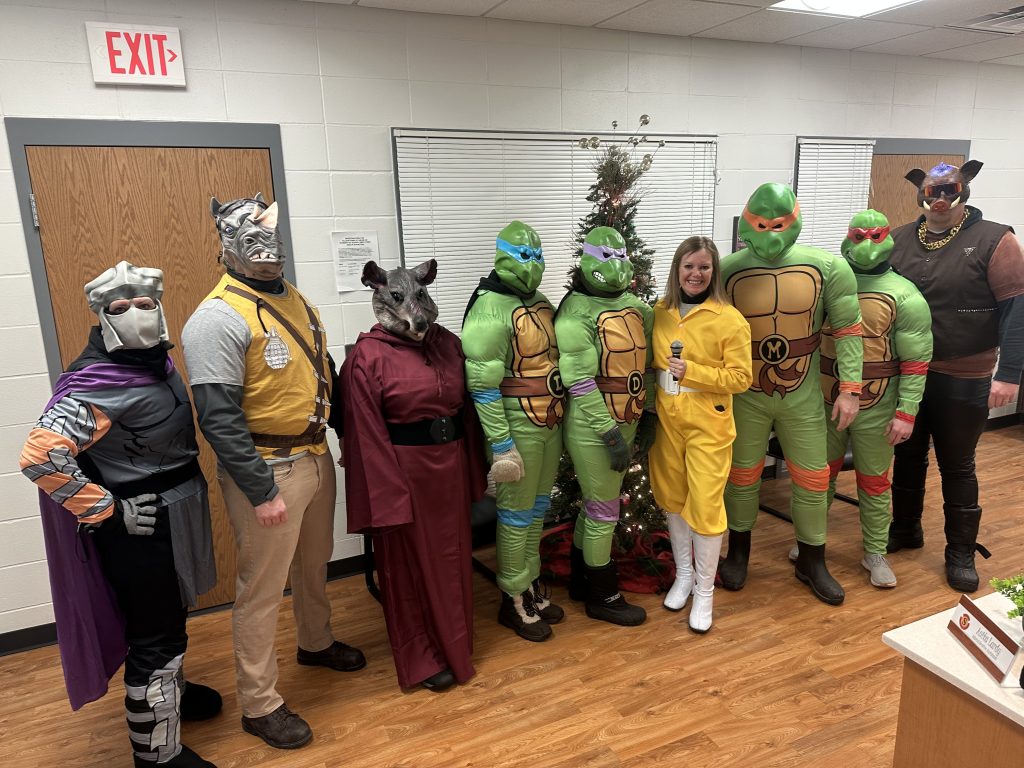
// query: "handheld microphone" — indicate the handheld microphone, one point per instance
point(677, 353)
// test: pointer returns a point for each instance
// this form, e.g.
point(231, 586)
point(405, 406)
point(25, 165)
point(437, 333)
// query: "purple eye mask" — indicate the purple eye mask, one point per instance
point(603, 252)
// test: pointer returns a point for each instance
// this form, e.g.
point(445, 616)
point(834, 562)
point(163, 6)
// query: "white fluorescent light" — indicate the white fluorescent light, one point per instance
point(854, 9)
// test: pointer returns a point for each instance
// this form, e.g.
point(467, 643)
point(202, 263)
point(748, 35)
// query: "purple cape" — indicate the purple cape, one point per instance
point(90, 625)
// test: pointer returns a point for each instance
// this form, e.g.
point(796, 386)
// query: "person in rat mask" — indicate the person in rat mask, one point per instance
point(785, 290)
point(262, 379)
point(508, 337)
point(971, 272)
point(604, 343)
point(114, 454)
point(413, 466)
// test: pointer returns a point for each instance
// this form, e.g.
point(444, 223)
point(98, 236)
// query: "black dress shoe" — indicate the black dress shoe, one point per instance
point(199, 702)
point(282, 728)
point(441, 681)
point(339, 656)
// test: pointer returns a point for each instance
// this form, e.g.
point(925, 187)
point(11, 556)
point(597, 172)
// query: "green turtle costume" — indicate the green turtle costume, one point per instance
point(897, 349)
point(508, 337)
point(604, 341)
point(785, 290)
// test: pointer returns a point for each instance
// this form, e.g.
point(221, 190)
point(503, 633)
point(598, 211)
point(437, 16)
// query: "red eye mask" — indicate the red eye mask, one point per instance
point(874, 234)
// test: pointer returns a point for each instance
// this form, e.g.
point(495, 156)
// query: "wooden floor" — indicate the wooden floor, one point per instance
point(781, 680)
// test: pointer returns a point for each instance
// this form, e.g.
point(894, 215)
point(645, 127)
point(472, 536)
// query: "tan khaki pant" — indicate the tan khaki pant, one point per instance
point(299, 548)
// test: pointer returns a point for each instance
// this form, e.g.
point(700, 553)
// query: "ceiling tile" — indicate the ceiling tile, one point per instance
point(769, 26)
point(456, 7)
point(854, 34)
point(583, 13)
point(677, 17)
point(1004, 45)
point(930, 41)
point(1014, 61)
point(938, 13)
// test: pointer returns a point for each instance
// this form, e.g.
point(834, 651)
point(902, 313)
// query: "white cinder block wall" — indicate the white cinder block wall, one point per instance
point(337, 77)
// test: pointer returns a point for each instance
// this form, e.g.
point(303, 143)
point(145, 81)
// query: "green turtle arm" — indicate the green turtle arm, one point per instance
point(843, 310)
point(912, 343)
point(578, 362)
point(486, 344)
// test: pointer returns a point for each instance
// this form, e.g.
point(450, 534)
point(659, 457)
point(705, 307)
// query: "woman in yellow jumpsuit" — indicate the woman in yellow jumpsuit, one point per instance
point(692, 455)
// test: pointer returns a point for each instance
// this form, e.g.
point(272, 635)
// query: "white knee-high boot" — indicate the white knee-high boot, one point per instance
point(680, 535)
point(706, 550)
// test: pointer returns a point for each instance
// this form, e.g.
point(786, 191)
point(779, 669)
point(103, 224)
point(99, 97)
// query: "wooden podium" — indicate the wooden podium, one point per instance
point(952, 712)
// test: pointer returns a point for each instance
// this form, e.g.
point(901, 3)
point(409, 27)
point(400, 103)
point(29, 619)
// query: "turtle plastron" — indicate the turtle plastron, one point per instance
point(275, 350)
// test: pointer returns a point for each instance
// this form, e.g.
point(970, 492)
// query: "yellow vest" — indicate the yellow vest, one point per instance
point(287, 407)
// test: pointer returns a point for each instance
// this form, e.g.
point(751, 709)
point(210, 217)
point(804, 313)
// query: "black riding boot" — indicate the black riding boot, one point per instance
point(811, 570)
point(604, 600)
point(905, 531)
point(577, 574)
point(732, 569)
point(961, 542)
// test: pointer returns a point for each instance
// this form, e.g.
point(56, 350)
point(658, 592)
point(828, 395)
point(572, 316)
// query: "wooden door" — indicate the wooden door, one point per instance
point(149, 206)
point(891, 193)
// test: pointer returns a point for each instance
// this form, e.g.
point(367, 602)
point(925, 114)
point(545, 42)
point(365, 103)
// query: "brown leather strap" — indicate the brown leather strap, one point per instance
point(612, 385)
point(288, 441)
point(316, 359)
point(797, 348)
point(525, 386)
point(883, 369)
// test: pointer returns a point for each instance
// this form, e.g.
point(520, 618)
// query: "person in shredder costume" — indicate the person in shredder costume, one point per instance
point(115, 455)
point(508, 337)
point(604, 343)
point(897, 348)
point(414, 463)
point(701, 349)
point(263, 384)
point(971, 272)
point(784, 290)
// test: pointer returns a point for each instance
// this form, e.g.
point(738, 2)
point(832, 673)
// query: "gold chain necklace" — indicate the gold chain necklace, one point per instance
point(922, 233)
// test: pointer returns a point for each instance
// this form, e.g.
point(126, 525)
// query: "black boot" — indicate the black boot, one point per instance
point(732, 569)
point(185, 759)
point(520, 614)
point(905, 530)
point(606, 603)
point(577, 574)
point(199, 702)
point(961, 542)
point(548, 611)
point(811, 570)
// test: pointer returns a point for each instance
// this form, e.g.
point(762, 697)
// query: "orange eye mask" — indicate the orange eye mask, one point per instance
point(778, 224)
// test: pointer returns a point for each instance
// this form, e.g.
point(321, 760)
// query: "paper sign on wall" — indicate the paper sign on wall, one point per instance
point(134, 54)
point(986, 642)
point(351, 251)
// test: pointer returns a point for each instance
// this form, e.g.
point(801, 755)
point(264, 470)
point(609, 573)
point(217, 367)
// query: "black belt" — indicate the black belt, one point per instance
point(427, 432)
point(158, 482)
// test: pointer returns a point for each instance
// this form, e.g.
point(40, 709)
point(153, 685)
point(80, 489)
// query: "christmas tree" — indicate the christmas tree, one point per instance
point(615, 195)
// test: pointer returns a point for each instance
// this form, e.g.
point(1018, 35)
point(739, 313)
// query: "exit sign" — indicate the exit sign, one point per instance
point(134, 54)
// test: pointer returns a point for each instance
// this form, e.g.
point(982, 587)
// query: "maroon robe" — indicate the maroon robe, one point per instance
point(415, 499)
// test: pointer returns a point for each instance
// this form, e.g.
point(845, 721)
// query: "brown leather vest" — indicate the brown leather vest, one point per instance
point(954, 282)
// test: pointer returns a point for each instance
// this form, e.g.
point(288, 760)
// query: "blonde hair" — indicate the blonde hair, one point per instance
point(674, 292)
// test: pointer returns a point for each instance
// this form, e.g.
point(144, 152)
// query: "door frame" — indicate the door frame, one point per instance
point(25, 132)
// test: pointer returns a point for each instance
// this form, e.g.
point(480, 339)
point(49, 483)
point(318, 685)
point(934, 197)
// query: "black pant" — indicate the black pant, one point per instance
point(141, 571)
point(953, 415)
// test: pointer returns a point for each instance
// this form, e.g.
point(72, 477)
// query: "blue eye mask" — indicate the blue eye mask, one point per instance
point(522, 253)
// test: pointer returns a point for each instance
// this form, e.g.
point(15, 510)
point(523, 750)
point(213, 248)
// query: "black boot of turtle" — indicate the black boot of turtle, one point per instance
point(812, 571)
point(184, 759)
point(548, 611)
point(199, 702)
point(606, 603)
point(732, 569)
point(577, 574)
point(520, 615)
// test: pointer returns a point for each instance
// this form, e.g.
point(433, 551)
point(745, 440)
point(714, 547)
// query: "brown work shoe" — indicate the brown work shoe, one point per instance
point(282, 728)
point(339, 656)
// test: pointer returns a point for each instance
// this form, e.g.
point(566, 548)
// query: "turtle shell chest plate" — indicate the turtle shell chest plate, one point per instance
point(535, 358)
point(622, 360)
point(781, 306)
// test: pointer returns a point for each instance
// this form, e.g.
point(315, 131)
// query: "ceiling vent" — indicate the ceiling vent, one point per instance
point(1009, 22)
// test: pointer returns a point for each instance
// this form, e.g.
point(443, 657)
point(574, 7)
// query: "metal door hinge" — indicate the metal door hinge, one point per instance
point(35, 212)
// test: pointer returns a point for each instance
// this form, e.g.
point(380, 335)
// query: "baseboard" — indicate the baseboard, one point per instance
point(46, 634)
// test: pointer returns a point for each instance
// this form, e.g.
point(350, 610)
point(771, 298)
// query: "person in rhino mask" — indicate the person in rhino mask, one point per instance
point(262, 381)
point(971, 273)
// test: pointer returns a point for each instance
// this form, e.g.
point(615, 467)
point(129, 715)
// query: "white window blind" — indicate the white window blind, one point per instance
point(833, 180)
point(457, 190)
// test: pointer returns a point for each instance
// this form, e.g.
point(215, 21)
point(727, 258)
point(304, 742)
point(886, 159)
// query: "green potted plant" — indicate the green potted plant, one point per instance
point(1014, 590)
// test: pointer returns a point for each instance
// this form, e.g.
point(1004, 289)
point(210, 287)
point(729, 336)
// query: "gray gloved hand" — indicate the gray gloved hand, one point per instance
point(618, 451)
point(507, 466)
point(139, 514)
